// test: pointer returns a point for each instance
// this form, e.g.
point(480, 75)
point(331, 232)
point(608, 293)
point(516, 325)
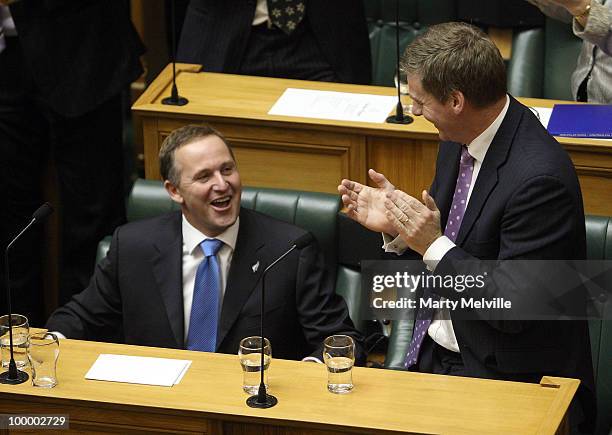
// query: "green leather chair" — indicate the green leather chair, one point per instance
point(542, 61)
point(415, 16)
point(599, 247)
point(313, 211)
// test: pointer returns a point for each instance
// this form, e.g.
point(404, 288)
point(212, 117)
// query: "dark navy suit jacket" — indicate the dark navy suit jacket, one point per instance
point(136, 293)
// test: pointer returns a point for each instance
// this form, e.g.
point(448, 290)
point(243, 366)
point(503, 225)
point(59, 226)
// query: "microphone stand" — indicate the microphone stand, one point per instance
point(174, 99)
point(399, 117)
point(262, 399)
point(14, 376)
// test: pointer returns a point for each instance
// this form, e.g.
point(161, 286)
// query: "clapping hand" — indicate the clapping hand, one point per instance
point(418, 224)
point(366, 205)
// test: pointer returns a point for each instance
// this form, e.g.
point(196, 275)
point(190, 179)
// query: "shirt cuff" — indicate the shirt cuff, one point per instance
point(312, 359)
point(436, 251)
point(397, 245)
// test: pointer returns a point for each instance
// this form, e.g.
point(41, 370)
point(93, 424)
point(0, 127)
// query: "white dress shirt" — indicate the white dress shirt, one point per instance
point(441, 330)
point(261, 13)
point(193, 256)
point(6, 21)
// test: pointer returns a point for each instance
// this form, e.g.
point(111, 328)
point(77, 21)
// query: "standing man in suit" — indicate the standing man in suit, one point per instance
point(504, 189)
point(149, 289)
point(298, 39)
point(63, 67)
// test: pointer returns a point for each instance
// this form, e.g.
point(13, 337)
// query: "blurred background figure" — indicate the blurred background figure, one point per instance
point(300, 39)
point(63, 67)
point(592, 22)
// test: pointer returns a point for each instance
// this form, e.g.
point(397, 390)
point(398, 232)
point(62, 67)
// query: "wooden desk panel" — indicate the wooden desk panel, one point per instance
point(210, 400)
point(314, 154)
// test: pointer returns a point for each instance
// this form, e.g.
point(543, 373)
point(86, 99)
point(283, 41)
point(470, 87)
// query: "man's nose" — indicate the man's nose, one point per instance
point(220, 183)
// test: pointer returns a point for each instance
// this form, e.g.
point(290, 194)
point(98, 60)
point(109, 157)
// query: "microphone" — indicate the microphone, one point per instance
point(14, 376)
point(174, 99)
point(262, 399)
point(399, 117)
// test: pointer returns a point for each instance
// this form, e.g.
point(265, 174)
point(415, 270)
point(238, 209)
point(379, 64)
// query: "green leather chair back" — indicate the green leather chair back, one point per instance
point(526, 67)
point(148, 198)
point(562, 48)
point(384, 59)
point(543, 61)
point(415, 16)
point(599, 247)
point(313, 211)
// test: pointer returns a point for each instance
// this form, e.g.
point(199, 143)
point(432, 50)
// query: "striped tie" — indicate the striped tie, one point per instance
point(202, 333)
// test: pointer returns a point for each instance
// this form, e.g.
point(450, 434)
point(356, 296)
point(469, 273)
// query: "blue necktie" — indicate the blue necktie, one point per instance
point(202, 334)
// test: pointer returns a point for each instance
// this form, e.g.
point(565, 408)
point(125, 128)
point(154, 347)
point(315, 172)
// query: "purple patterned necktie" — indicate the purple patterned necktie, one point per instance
point(455, 217)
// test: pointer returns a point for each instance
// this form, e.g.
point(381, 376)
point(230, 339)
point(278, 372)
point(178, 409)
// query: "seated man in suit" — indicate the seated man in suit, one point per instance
point(504, 189)
point(191, 279)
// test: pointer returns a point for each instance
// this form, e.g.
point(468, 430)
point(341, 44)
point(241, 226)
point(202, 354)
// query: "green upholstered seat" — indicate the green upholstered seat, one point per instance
point(599, 247)
point(543, 60)
point(415, 16)
point(526, 67)
point(399, 340)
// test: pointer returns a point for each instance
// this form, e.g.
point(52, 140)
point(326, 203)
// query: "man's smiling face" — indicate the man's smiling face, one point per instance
point(210, 188)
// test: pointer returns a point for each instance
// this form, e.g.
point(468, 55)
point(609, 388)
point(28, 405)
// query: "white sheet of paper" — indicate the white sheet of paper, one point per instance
point(138, 370)
point(543, 114)
point(340, 106)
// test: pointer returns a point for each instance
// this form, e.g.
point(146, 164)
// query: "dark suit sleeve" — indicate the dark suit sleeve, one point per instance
point(539, 223)
point(95, 313)
point(321, 311)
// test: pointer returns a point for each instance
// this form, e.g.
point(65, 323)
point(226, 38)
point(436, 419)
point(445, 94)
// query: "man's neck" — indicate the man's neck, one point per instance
point(478, 119)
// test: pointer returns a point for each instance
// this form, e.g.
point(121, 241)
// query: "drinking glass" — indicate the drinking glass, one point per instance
point(339, 356)
point(250, 360)
point(21, 330)
point(43, 353)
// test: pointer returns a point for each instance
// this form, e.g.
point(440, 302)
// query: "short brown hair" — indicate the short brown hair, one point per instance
point(457, 57)
point(178, 138)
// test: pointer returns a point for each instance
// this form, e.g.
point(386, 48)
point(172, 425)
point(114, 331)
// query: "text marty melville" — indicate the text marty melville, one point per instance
point(478, 304)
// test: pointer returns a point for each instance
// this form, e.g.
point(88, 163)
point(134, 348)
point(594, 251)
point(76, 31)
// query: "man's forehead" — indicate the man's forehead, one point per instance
point(415, 87)
point(203, 153)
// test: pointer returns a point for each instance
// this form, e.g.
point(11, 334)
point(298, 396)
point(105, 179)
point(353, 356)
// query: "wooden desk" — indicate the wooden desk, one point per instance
point(210, 400)
point(313, 154)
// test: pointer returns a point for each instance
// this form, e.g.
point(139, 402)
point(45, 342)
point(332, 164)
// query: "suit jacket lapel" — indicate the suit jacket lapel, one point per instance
point(487, 177)
point(168, 273)
point(242, 279)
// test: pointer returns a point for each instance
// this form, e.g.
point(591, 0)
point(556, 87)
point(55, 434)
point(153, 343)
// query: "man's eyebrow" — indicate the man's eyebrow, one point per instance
point(415, 99)
point(201, 173)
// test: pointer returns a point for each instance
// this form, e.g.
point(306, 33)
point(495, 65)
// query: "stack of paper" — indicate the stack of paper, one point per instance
point(339, 106)
point(138, 370)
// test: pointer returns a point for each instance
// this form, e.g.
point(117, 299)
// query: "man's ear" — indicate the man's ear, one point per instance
point(173, 191)
point(457, 102)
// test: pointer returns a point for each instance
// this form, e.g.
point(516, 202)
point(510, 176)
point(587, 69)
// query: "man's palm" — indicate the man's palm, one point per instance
point(366, 204)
